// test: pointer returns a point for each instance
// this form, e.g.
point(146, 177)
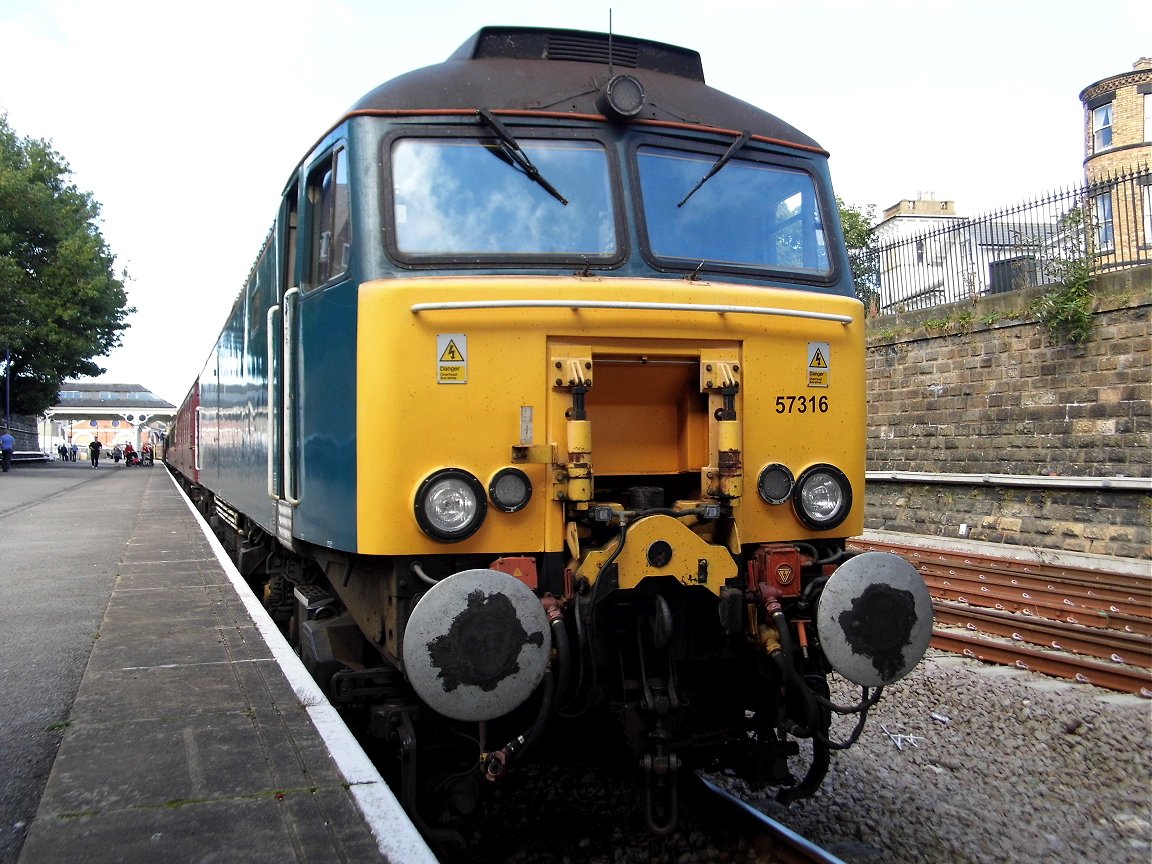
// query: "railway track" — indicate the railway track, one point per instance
point(568, 804)
point(783, 844)
point(1077, 623)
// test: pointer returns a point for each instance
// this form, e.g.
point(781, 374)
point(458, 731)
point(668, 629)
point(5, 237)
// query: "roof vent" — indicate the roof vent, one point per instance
point(591, 49)
point(536, 43)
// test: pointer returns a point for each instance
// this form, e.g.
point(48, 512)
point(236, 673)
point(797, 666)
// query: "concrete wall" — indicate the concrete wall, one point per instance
point(972, 389)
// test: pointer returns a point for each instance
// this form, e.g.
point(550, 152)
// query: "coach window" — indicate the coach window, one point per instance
point(331, 226)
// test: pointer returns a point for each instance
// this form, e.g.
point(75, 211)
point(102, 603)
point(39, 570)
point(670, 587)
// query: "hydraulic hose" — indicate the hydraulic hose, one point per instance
point(542, 714)
point(563, 660)
point(497, 762)
point(821, 759)
point(784, 662)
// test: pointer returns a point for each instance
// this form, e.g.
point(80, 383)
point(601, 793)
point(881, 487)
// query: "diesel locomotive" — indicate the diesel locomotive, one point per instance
point(544, 403)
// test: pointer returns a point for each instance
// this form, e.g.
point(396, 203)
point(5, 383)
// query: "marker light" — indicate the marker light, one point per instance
point(510, 490)
point(823, 497)
point(775, 484)
point(450, 505)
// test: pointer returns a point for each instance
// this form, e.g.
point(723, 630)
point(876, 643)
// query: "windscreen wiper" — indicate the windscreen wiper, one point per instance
point(513, 151)
point(720, 163)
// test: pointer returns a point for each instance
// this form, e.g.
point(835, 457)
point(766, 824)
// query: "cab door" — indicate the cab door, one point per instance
point(283, 480)
point(312, 364)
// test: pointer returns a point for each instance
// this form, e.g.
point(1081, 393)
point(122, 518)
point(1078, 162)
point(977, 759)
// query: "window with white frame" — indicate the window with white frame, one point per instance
point(1105, 241)
point(1148, 116)
point(1146, 199)
point(1102, 127)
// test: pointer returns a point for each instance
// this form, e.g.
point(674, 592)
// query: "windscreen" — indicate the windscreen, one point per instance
point(457, 197)
point(750, 215)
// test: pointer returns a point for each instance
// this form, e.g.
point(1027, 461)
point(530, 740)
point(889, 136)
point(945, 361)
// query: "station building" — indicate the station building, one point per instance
point(113, 413)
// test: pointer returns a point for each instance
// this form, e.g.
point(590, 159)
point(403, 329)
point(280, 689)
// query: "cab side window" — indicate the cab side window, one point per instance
point(331, 234)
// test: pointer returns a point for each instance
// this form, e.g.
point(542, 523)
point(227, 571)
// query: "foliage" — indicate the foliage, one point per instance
point(61, 304)
point(1065, 310)
point(862, 254)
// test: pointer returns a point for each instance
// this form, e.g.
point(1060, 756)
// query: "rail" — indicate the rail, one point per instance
point(1032, 481)
point(789, 847)
point(577, 305)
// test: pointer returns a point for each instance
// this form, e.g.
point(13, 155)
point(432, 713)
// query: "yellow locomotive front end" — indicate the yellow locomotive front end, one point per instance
point(715, 395)
point(648, 482)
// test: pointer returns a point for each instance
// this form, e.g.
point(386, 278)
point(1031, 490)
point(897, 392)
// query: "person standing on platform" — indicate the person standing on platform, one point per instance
point(94, 447)
point(7, 446)
point(73, 450)
point(63, 449)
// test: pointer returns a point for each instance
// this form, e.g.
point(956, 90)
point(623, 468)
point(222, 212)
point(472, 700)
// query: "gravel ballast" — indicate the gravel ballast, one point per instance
point(1005, 766)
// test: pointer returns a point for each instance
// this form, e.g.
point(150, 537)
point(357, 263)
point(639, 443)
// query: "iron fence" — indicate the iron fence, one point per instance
point(1107, 223)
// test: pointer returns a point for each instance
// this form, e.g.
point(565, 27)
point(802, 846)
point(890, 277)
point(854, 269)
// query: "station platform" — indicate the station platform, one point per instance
point(195, 733)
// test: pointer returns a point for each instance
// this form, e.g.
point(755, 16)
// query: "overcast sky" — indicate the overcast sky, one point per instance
point(184, 119)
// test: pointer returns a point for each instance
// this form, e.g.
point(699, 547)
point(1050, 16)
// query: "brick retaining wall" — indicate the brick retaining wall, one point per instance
point(980, 388)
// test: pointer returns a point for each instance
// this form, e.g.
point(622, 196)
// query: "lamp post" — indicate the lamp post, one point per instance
point(7, 387)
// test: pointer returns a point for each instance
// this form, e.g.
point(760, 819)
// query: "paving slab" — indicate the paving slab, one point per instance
point(191, 735)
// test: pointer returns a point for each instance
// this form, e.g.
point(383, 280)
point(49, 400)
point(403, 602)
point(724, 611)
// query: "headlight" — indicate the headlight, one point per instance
point(775, 484)
point(450, 505)
point(823, 497)
point(510, 490)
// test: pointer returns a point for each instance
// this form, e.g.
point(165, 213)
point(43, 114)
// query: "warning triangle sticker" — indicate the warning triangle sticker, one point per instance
point(451, 354)
point(818, 361)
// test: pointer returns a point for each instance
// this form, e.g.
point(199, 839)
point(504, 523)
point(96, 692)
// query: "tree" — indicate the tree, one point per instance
point(862, 254)
point(61, 303)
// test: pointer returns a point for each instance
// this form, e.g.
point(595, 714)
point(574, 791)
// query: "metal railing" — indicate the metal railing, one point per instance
point(1107, 223)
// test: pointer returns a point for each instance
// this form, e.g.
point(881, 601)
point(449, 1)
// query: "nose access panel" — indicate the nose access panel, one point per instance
point(874, 619)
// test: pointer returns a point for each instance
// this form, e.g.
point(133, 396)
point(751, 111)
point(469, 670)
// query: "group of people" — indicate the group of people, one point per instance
point(128, 453)
point(68, 452)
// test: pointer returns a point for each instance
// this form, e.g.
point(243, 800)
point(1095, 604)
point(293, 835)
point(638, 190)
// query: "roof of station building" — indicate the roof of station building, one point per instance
point(102, 396)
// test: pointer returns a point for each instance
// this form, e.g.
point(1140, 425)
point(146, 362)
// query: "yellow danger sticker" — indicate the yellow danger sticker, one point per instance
point(451, 353)
point(451, 358)
point(819, 364)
